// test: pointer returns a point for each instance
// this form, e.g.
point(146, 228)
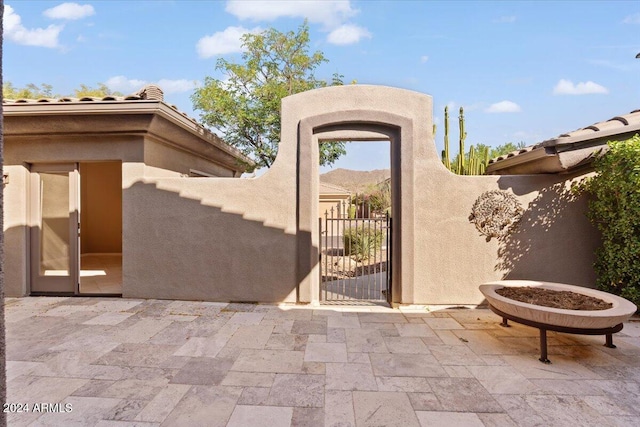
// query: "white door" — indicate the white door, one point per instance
point(55, 216)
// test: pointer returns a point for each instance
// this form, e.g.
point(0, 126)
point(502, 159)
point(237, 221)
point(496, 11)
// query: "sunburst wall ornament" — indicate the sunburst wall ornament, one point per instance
point(495, 213)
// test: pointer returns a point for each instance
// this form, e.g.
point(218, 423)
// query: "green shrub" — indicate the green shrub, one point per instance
point(361, 242)
point(615, 211)
point(353, 209)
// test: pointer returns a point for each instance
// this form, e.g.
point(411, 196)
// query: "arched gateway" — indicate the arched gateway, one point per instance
point(359, 113)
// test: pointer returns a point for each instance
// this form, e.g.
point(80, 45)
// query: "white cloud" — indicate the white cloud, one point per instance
point(126, 85)
point(503, 107)
point(505, 19)
point(566, 87)
point(332, 15)
point(70, 11)
point(632, 19)
point(328, 13)
point(347, 34)
point(16, 32)
point(424, 58)
point(223, 42)
point(177, 86)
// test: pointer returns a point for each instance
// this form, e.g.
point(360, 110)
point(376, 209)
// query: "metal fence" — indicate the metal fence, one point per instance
point(355, 254)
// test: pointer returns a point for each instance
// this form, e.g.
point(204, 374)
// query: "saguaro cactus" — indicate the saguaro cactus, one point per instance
point(446, 159)
point(472, 163)
point(463, 136)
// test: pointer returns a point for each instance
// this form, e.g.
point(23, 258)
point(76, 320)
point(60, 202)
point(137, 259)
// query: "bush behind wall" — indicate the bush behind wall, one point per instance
point(615, 211)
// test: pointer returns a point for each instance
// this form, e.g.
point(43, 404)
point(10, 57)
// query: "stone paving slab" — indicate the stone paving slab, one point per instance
point(127, 362)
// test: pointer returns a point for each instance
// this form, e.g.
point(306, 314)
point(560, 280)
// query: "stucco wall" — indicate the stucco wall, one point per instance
point(167, 158)
point(19, 152)
point(257, 240)
point(15, 230)
point(23, 147)
point(210, 238)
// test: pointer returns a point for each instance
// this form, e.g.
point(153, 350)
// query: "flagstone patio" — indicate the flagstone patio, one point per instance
point(123, 362)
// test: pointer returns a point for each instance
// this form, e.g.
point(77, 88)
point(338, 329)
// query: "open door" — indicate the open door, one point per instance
point(55, 219)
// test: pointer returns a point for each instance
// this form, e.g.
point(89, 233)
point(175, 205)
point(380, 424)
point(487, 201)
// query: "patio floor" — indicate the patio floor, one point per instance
point(124, 362)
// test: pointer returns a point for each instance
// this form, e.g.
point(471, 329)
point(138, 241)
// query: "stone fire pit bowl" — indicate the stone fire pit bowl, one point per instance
point(586, 322)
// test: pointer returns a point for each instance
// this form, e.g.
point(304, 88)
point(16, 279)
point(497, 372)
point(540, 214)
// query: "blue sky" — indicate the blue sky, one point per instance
point(524, 71)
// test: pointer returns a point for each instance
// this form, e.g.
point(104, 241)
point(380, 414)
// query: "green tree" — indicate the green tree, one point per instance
point(30, 91)
point(246, 105)
point(615, 210)
point(33, 91)
point(97, 92)
point(505, 149)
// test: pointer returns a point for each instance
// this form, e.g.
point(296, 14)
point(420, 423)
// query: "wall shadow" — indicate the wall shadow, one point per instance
point(554, 241)
point(176, 247)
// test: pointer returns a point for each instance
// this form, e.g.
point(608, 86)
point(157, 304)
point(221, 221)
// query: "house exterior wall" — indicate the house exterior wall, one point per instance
point(15, 215)
point(257, 240)
point(33, 140)
point(20, 151)
point(178, 162)
point(335, 202)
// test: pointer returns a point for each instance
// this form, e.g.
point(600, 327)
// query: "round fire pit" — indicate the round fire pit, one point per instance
point(586, 322)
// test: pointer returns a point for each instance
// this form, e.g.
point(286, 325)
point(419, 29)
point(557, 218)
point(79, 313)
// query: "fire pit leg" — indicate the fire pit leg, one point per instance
point(609, 343)
point(505, 323)
point(543, 346)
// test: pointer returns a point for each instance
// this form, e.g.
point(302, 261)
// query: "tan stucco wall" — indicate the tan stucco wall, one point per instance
point(15, 230)
point(244, 240)
point(101, 207)
point(337, 202)
point(161, 156)
point(210, 239)
point(129, 149)
point(257, 239)
point(20, 151)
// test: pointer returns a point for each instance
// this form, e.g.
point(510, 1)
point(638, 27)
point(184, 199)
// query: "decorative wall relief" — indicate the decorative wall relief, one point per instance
point(495, 213)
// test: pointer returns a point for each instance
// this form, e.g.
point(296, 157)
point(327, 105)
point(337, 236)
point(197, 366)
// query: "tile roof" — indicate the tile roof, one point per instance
point(149, 94)
point(596, 134)
point(326, 188)
point(96, 100)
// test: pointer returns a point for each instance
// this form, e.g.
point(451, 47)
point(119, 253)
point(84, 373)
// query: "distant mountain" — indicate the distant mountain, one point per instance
point(355, 181)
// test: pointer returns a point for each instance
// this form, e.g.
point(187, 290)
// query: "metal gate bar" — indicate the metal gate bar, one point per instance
point(359, 277)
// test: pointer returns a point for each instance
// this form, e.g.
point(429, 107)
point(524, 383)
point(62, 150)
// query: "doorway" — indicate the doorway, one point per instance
point(76, 237)
point(355, 226)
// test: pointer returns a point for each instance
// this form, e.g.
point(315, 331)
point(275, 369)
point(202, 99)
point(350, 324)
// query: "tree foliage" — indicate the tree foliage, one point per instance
point(615, 211)
point(100, 91)
point(30, 91)
point(33, 91)
point(361, 242)
point(503, 149)
point(245, 106)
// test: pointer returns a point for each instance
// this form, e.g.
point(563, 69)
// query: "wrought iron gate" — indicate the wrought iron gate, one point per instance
point(355, 254)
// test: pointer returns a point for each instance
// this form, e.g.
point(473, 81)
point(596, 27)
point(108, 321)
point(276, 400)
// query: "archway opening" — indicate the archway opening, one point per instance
point(355, 225)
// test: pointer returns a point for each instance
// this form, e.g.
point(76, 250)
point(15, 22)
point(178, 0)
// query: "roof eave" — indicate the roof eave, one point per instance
point(125, 107)
point(510, 162)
